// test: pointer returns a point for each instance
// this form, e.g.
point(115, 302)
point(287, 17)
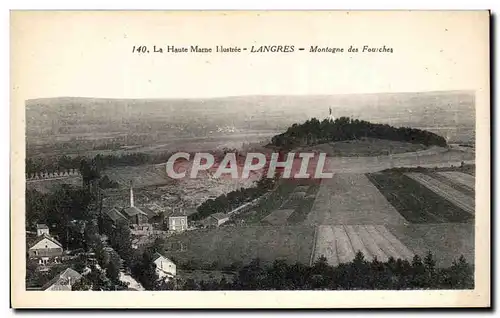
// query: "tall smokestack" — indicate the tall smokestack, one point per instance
point(131, 195)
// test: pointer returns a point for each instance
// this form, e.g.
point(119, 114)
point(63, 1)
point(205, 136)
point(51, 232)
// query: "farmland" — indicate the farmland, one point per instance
point(340, 243)
point(415, 202)
point(456, 197)
point(446, 241)
point(351, 199)
point(227, 245)
point(278, 217)
point(455, 185)
point(459, 177)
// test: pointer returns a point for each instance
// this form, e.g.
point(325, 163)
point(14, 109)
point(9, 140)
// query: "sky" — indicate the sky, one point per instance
point(90, 53)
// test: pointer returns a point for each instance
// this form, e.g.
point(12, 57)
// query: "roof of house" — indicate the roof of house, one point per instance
point(158, 255)
point(150, 213)
point(115, 215)
point(172, 212)
point(41, 226)
point(63, 279)
point(132, 211)
point(177, 216)
point(45, 236)
point(219, 216)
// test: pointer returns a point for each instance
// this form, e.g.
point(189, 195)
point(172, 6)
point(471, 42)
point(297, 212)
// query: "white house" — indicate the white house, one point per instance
point(42, 229)
point(177, 223)
point(45, 249)
point(165, 268)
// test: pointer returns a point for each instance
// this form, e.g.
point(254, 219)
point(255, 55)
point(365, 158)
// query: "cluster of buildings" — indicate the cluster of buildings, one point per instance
point(46, 251)
point(141, 219)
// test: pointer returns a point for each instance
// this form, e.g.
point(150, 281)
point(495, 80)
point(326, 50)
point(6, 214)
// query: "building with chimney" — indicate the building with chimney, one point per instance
point(134, 214)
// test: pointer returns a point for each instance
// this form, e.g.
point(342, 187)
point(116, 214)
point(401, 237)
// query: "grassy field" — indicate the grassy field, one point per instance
point(277, 217)
point(49, 185)
point(364, 147)
point(446, 241)
point(304, 206)
point(226, 245)
point(351, 199)
point(272, 202)
point(415, 202)
point(142, 176)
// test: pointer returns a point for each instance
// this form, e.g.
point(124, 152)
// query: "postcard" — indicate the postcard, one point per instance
point(250, 159)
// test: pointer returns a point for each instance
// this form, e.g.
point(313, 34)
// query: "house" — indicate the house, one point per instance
point(177, 223)
point(165, 268)
point(215, 220)
point(42, 229)
point(62, 281)
point(177, 220)
point(135, 215)
point(45, 249)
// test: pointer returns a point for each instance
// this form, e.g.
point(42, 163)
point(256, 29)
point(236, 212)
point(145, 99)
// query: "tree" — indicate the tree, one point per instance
point(113, 267)
point(121, 241)
point(144, 270)
point(430, 268)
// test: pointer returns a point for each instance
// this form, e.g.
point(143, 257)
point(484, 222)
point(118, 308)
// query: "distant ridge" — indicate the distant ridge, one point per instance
point(68, 98)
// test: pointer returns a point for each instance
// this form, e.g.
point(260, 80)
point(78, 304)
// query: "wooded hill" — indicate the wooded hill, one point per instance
point(344, 128)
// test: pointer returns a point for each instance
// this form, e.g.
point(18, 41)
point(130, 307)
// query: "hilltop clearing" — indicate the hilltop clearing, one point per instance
point(364, 147)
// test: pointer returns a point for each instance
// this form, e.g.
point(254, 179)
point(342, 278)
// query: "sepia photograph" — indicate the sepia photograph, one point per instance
point(317, 153)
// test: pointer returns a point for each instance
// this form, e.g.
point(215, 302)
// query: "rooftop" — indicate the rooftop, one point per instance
point(115, 215)
point(63, 280)
point(45, 236)
point(132, 210)
point(219, 216)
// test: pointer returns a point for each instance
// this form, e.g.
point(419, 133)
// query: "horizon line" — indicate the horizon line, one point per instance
point(254, 95)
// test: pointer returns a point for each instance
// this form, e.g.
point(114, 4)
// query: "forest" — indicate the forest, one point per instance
point(314, 132)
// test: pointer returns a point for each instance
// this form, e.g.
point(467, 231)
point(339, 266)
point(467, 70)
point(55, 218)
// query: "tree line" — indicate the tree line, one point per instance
point(41, 166)
point(230, 201)
point(314, 131)
point(358, 274)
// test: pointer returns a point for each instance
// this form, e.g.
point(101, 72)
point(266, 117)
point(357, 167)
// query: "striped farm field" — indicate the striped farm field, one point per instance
point(415, 202)
point(455, 185)
point(351, 199)
point(456, 197)
point(446, 241)
point(340, 243)
point(459, 177)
